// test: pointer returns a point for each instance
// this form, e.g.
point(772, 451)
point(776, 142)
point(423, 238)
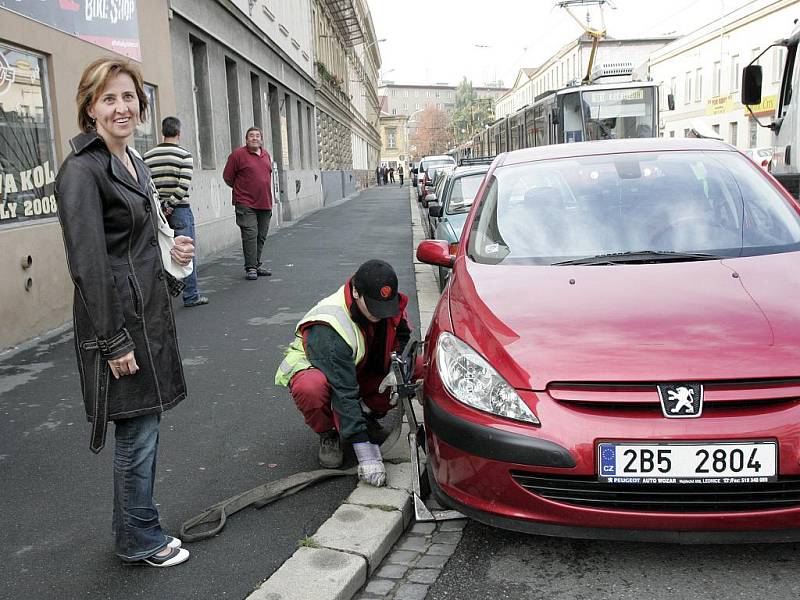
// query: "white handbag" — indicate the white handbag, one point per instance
point(166, 240)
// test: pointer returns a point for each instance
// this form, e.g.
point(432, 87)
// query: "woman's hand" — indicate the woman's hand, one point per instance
point(183, 250)
point(124, 365)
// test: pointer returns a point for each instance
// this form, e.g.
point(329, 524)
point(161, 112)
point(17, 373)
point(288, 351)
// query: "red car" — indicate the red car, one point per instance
point(617, 352)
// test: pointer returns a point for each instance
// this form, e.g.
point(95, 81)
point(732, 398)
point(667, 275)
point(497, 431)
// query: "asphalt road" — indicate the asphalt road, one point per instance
point(497, 564)
point(235, 431)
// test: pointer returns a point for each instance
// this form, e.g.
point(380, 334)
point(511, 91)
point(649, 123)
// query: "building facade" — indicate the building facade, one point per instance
point(43, 50)
point(347, 60)
point(409, 99)
point(394, 141)
point(703, 72)
point(569, 64)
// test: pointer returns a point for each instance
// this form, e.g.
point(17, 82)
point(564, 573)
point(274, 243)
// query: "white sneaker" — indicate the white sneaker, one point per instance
point(175, 557)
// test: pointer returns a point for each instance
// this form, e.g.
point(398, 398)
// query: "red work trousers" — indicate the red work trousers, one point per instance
point(311, 393)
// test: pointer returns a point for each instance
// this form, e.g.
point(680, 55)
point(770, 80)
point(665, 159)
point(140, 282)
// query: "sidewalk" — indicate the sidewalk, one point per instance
point(342, 554)
point(235, 431)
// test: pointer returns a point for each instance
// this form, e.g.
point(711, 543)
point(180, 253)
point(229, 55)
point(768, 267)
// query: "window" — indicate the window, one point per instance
point(698, 85)
point(778, 56)
point(753, 132)
point(203, 123)
point(755, 52)
point(735, 73)
point(671, 134)
point(715, 127)
point(688, 89)
point(716, 79)
point(255, 95)
point(145, 136)
point(301, 135)
point(394, 111)
point(27, 152)
point(733, 130)
point(673, 87)
point(391, 138)
point(234, 120)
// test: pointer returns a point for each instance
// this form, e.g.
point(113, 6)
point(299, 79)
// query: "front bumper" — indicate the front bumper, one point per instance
point(475, 462)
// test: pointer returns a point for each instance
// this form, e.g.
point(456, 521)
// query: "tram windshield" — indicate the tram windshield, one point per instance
point(614, 113)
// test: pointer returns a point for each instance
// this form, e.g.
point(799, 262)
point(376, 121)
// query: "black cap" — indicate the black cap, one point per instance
point(376, 281)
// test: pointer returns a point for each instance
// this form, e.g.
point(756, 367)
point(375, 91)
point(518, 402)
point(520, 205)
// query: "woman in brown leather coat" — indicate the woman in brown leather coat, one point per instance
point(128, 359)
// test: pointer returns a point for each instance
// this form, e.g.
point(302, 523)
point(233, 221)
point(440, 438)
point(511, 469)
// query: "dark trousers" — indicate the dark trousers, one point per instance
point(254, 225)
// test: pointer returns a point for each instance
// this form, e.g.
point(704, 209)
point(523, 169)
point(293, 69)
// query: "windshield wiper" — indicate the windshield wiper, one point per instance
point(639, 256)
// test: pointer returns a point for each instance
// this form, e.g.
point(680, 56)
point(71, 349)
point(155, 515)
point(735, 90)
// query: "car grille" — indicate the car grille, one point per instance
point(716, 394)
point(666, 498)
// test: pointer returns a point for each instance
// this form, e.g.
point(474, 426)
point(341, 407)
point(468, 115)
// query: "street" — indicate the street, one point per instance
point(235, 430)
point(492, 563)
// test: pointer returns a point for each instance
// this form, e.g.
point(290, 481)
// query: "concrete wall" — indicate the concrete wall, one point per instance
point(338, 184)
point(47, 304)
point(228, 36)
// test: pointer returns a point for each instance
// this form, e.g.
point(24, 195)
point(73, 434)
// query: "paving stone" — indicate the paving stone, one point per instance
point(411, 591)
point(391, 571)
point(381, 587)
point(447, 537)
point(423, 575)
point(431, 562)
point(423, 528)
point(401, 557)
point(456, 525)
point(316, 573)
point(384, 498)
point(415, 543)
point(440, 549)
point(398, 476)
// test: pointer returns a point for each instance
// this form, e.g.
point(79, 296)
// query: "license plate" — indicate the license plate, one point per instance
point(671, 462)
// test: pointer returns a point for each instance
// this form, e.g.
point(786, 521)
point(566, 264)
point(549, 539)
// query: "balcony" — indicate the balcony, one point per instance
point(347, 20)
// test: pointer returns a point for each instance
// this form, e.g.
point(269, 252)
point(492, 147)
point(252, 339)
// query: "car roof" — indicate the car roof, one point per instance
point(601, 147)
point(470, 170)
point(438, 157)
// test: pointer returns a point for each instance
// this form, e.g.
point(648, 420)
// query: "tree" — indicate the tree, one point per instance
point(432, 134)
point(470, 113)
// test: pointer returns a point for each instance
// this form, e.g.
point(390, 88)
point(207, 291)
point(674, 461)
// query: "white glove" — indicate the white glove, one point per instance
point(390, 381)
point(370, 463)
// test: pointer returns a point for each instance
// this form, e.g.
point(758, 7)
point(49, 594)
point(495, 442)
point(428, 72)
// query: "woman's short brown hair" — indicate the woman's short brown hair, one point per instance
point(94, 80)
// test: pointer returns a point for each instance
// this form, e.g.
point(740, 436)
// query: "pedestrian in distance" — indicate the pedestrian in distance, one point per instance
point(378, 174)
point(339, 357)
point(171, 168)
point(383, 174)
point(249, 172)
point(400, 174)
point(130, 368)
point(391, 174)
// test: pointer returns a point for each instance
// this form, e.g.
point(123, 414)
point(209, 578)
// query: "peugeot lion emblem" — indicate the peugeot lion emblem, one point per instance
point(681, 400)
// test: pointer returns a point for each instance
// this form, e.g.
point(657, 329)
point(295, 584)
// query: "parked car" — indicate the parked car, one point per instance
point(434, 176)
point(616, 353)
point(424, 165)
point(450, 205)
point(761, 156)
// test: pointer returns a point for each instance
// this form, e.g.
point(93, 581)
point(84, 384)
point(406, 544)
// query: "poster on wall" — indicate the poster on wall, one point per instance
point(27, 157)
point(111, 24)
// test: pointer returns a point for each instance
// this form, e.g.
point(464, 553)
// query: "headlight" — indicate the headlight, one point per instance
point(471, 380)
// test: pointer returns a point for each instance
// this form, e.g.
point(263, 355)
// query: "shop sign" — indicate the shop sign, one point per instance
point(719, 105)
point(767, 106)
point(27, 160)
point(111, 24)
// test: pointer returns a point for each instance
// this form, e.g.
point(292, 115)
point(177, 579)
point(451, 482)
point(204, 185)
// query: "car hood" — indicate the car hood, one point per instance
point(723, 319)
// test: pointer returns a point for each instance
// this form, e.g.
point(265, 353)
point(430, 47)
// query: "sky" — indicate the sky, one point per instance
point(440, 41)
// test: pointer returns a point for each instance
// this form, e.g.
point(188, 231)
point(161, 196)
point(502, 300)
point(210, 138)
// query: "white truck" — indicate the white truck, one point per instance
point(785, 138)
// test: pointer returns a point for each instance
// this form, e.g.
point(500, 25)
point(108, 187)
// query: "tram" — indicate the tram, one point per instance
point(577, 113)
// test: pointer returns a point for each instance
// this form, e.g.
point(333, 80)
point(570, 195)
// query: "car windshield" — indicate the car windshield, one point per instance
point(714, 203)
point(427, 164)
point(463, 193)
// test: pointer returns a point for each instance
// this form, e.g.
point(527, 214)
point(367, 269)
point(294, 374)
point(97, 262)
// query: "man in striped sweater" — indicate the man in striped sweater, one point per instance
point(171, 166)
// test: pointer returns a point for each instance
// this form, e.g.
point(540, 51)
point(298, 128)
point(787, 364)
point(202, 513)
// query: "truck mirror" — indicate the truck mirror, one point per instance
point(751, 85)
point(671, 101)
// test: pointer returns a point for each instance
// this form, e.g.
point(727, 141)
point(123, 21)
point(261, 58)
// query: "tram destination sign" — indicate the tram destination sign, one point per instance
point(111, 24)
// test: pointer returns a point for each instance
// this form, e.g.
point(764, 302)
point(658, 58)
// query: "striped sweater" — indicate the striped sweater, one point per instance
point(171, 166)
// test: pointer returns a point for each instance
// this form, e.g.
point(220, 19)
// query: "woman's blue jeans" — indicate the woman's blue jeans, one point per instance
point(137, 531)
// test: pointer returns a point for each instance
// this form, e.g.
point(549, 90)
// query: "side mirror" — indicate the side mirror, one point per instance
point(428, 199)
point(435, 210)
point(751, 84)
point(435, 252)
point(671, 101)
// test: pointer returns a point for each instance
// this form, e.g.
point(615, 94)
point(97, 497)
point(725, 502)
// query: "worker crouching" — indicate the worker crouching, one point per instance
point(336, 363)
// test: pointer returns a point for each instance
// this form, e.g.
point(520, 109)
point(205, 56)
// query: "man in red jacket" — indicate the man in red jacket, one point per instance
point(249, 172)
